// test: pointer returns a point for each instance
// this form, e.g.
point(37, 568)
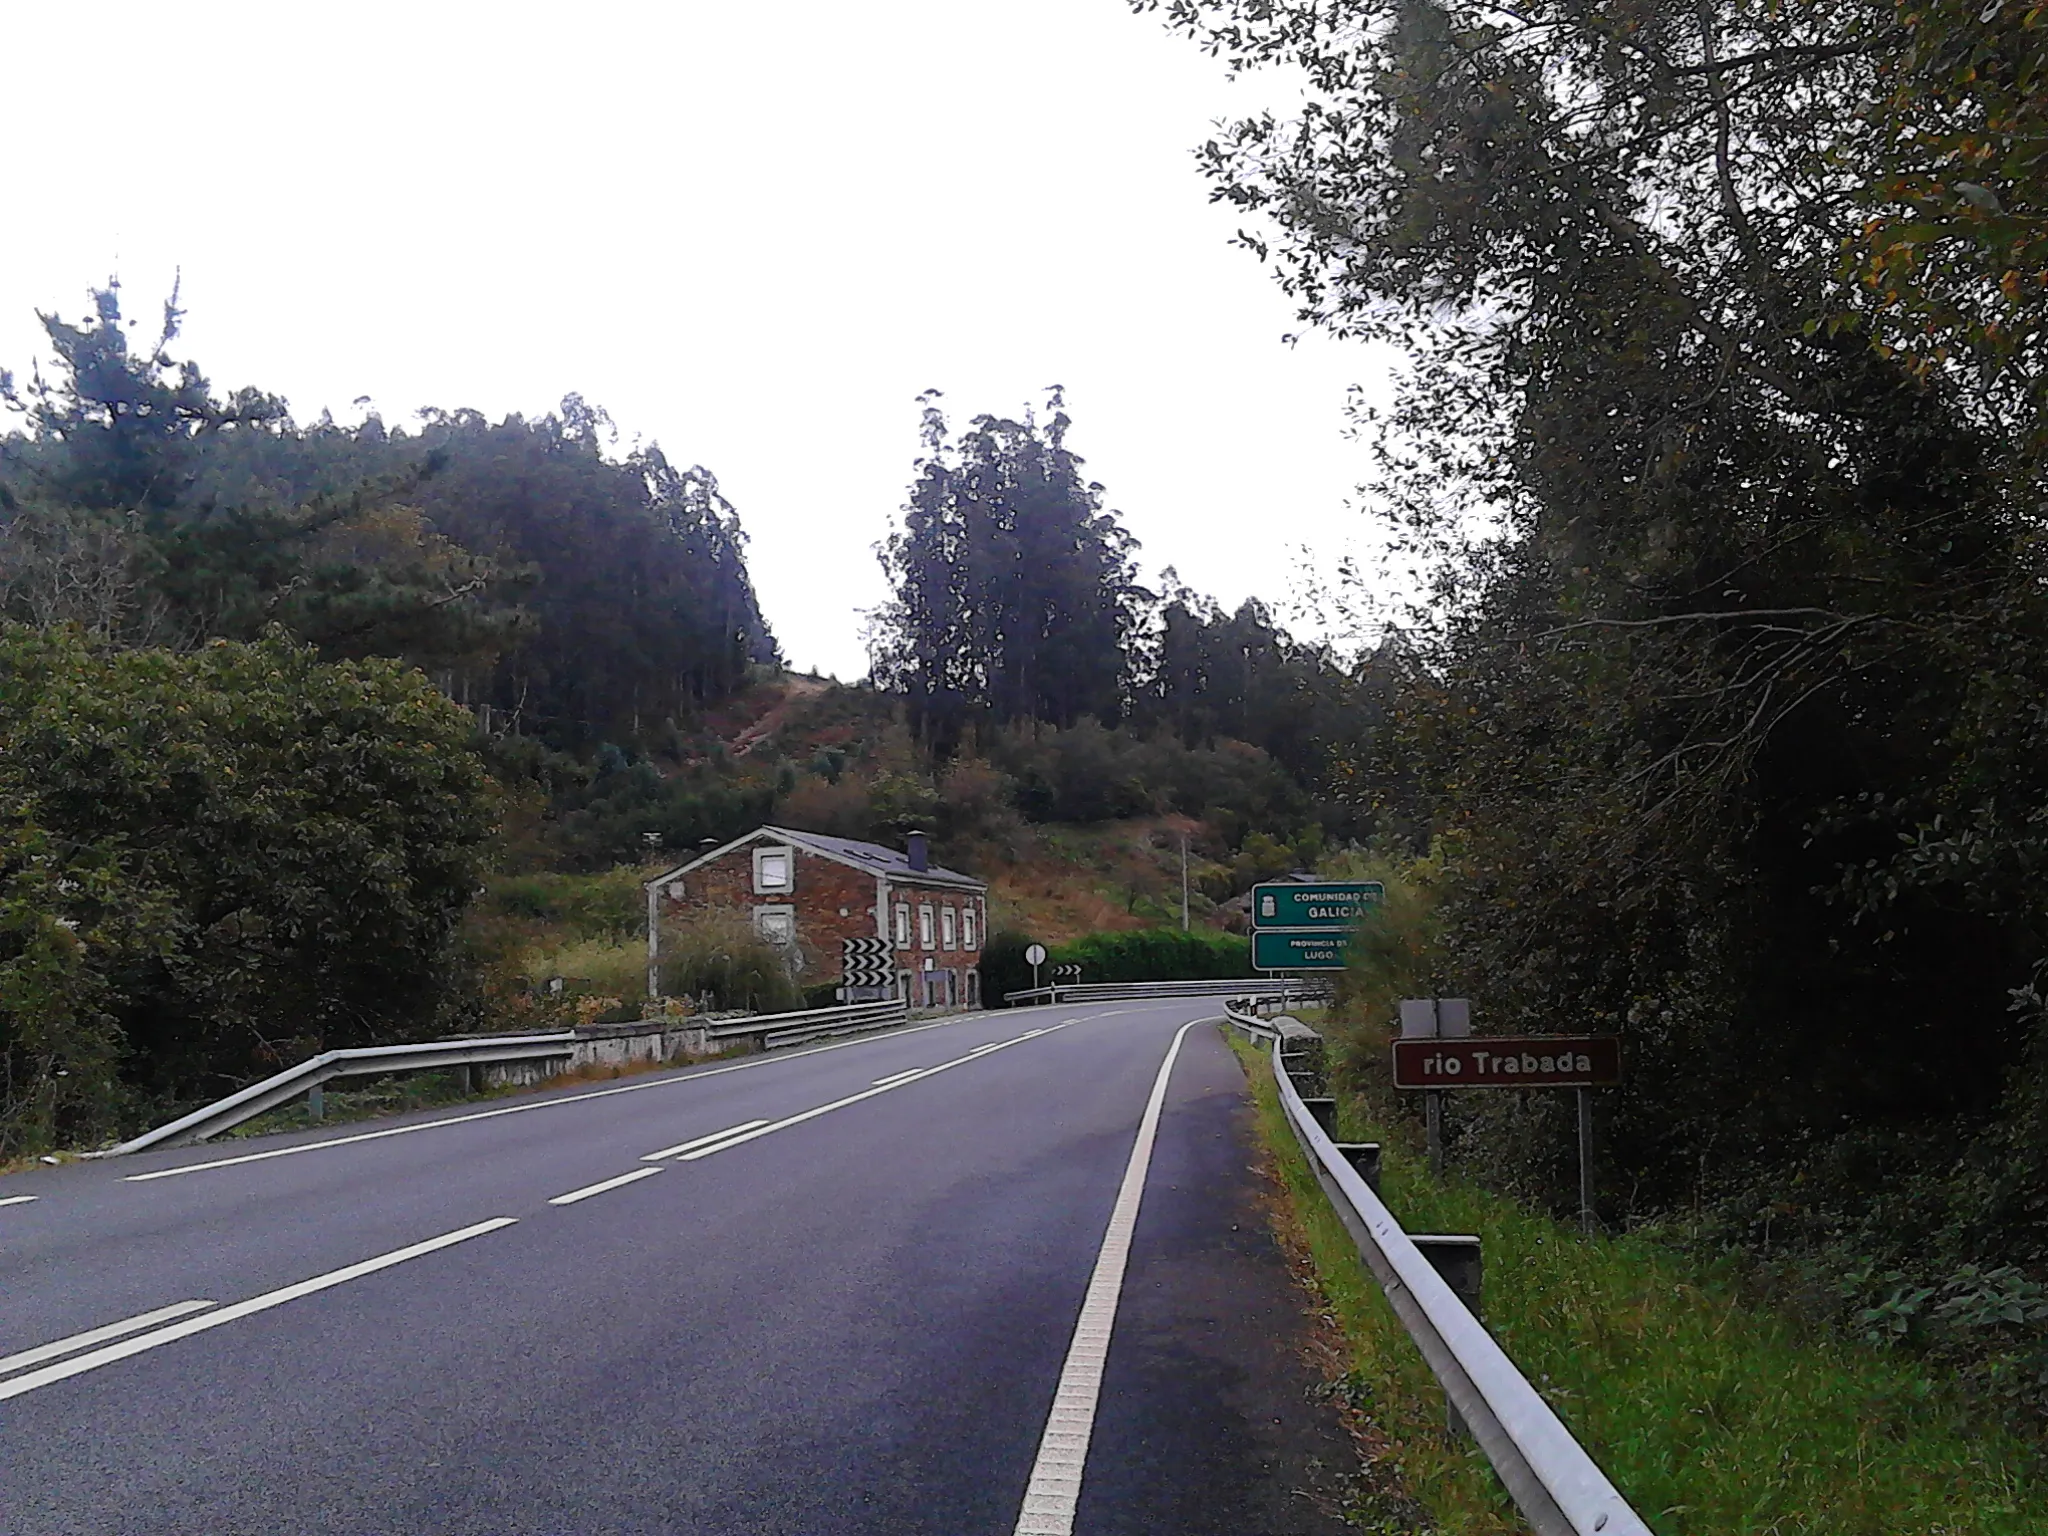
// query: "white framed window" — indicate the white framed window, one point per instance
point(774, 870)
point(949, 932)
point(924, 927)
point(903, 925)
point(967, 928)
point(776, 924)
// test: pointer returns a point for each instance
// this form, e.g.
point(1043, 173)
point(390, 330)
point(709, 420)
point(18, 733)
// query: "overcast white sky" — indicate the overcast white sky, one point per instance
point(752, 232)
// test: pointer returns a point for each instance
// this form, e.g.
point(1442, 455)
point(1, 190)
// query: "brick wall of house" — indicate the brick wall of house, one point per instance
point(961, 960)
point(832, 902)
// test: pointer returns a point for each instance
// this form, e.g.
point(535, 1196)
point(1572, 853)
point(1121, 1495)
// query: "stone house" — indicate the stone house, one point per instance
point(809, 892)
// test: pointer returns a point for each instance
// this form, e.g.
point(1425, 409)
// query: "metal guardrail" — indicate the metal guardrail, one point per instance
point(225, 1114)
point(1555, 1484)
point(772, 1030)
point(1119, 991)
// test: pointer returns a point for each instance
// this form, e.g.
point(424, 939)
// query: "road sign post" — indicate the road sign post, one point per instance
point(1314, 904)
point(1300, 950)
point(1307, 925)
point(1435, 1018)
point(1437, 1051)
point(1586, 1161)
point(1035, 957)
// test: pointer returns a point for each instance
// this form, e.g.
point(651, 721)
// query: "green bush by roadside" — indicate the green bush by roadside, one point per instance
point(1711, 1415)
point(1157, 954)
point(213, 863)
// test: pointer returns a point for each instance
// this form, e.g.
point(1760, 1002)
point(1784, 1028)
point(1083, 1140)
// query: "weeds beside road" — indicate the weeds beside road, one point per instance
point(1713, 1416)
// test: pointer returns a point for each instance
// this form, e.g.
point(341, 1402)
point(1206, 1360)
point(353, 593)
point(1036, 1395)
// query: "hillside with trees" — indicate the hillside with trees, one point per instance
point(280, 698)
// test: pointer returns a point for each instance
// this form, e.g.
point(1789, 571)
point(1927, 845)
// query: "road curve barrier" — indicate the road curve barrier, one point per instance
point(1555, 1484)
point(1292, 989)
point(597, 1045)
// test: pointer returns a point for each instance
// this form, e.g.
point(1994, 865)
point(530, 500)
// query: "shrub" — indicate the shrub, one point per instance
point(719, 958)
point(1157, 954)
point(213, 863)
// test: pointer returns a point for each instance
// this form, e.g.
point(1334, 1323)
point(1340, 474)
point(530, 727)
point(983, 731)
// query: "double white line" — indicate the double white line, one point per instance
point(738, 1135)
point(45, 1363)
point(190, 1325)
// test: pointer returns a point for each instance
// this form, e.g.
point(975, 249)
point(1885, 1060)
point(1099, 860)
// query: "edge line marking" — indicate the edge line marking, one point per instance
point(1054, 1491)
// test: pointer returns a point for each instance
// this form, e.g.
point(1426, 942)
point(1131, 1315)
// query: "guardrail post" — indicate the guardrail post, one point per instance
point(316, 1102)
point(1325, 1112)
point(1457, 1260)
point(1364, 1156)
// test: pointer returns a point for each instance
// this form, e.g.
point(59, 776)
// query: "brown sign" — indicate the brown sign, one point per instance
point(1533, 1061)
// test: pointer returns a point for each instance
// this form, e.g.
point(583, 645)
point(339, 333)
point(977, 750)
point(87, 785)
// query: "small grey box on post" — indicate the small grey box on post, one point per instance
point(1364, 1156)
point(1457, 1260)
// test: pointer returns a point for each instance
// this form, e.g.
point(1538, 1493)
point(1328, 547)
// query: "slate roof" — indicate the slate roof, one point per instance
point(872, 857)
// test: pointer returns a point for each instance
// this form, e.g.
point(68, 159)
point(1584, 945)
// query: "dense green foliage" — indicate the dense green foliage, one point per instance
point(1728, 706)
point(1711, 1413)
point(215, 863)
point(1157, 954)
point(565, 594)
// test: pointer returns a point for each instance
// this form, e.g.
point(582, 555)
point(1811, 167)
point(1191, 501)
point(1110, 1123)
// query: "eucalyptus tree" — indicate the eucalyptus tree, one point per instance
point(1016, 594)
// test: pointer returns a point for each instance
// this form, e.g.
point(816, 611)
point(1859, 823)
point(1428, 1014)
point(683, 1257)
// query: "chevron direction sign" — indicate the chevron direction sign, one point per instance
point(866, 962)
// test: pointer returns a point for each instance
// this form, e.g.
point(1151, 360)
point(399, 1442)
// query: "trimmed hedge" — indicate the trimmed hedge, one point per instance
point(1158, 954)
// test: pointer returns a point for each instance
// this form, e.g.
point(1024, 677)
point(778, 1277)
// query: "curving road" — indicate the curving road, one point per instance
point(829, 1291)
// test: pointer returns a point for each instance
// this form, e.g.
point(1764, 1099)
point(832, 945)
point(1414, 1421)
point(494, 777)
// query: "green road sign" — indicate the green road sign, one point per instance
point(1322, 950)
point(1324, 904)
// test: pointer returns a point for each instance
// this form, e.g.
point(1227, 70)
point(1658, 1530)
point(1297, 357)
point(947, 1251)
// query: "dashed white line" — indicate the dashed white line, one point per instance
point(92, 1336)
point(599, 1188)
point(18, 1199)
point(701, 1141)
point(1055, 1487)
point(241, 1309)
point(891, 1079)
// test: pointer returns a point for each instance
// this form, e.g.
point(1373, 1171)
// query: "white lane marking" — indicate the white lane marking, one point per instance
point(241, 1309)
point(1055, 1486)
point(880, 1082)
point(684, 1146)
point(519, 1109)
point(92, 1336)
point(852, 1098)
point(597, 1189)
point(19, 1199)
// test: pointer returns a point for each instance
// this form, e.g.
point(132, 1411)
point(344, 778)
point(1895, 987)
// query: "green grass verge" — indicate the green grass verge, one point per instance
point(1713, 1417)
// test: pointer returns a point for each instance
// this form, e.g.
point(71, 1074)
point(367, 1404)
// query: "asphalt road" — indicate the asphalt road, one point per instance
point(852, 1318)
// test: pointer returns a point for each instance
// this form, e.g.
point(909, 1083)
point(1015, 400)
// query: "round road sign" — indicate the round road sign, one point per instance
point(1035, 955)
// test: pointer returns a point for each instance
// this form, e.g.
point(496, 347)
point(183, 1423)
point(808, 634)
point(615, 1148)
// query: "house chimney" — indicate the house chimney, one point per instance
point(918, 847)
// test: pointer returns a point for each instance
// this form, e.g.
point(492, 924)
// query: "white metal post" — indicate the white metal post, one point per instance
point(653, 943)
point(1183, 882)
point(1586, 1161)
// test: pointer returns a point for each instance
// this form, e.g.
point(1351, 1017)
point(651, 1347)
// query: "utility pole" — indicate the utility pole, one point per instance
point(1183, 882)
